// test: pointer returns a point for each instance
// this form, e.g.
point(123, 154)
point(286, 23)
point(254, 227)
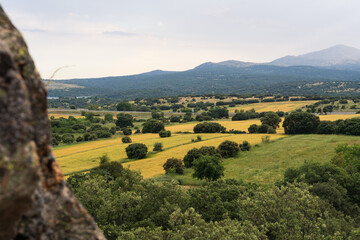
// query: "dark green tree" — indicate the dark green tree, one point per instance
point(301, 123)
point(195, 153)
point(136, 151)
point(209, 127)
point(153, 126)
point(108, 117)
point(228, 149)
point(126, 139)
point(124, 106)
point(271, 119)
point(124, 120)
point(208, 167)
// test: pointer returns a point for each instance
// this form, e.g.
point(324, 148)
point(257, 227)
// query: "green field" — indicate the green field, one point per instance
point(266, 162)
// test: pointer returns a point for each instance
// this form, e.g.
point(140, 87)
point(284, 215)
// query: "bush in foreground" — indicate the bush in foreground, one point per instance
point(136, 151)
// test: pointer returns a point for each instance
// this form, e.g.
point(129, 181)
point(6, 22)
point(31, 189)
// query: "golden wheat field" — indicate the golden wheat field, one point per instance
point(273, 106)
point(236, 125)
point(334, 117)
point(59, 115)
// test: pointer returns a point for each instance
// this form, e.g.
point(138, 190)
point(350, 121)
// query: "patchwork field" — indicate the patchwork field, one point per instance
point(83, 156)
point(263, 164)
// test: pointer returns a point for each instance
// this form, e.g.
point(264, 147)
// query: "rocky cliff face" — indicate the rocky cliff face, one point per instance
point(35, 201)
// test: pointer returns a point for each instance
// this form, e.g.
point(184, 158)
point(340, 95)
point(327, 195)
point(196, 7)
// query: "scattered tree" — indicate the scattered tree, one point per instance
point(165, 133)
point(136, 151)
point(158, 147)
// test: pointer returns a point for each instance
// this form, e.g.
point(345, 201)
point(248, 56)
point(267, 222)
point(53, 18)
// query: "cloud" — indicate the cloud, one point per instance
point(119, 33)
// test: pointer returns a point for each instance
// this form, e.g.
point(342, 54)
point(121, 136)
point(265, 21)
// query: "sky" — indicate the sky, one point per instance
point(116, 37)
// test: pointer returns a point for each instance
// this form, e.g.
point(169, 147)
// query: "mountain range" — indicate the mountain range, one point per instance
point(337, 69)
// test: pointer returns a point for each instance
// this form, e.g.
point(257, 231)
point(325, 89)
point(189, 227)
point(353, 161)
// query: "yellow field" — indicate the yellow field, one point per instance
point(58, 115)
point(273, 106)
point(337, 117)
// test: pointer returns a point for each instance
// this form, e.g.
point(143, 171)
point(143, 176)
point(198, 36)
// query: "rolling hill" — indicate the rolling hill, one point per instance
point(331, 67)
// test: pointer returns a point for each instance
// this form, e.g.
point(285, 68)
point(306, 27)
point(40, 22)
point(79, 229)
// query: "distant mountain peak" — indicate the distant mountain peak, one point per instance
point(332, 56)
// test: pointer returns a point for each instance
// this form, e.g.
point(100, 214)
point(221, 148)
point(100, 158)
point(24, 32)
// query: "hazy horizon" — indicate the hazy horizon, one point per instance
point(114, 38)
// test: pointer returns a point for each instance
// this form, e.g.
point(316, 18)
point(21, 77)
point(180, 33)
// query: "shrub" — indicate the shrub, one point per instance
point(127, 131)
point(112, 130)
point(208, 167)
point(89, 137)
point(108, 117)
point(174, 118)
point(209, 127)
point(158, 147)
point(103, 134)
point(253, 128)
point(265, 139)
point(198, 138)
point(153, 126)
point(54, 142)
point(165, 133)
point(126, 139)
point(326, 127)
point(301, 123)
point(136, 151)
point(349, 126)
point(79, 139)
point(271, 130)
point(104, 159)
point(228, 149)
point(68, 138)
point(245, 146)
point(195, 153)
point(263, 128)
point(219, 113)
point(174, 164)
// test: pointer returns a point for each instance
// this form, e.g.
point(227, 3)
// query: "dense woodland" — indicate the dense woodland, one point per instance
point(315, 201)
